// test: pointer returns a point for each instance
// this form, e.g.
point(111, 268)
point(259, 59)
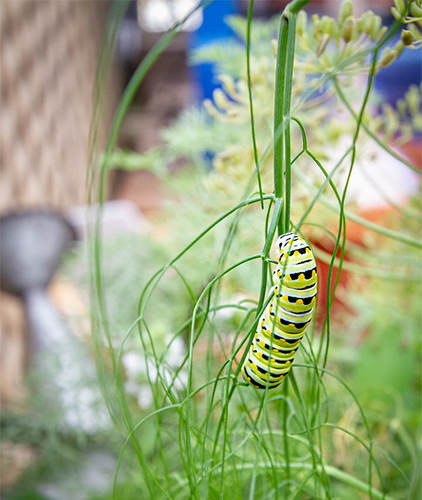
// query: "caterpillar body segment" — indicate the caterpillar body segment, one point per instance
point(283, 323)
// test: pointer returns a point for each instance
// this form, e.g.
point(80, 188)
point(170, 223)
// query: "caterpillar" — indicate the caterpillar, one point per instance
point(282, 325)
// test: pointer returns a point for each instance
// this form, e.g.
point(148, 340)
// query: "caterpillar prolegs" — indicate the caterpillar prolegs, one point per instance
point(283, 322)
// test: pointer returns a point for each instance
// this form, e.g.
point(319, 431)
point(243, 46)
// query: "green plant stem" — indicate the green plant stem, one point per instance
point(248, 69)
point(329, 470)
point(282, 104)
point(279, 148)
point(341, 235)
point(296, 5)
point(285, 434)
point(140, 73)
point(354, 482)
point(316, 457)
point(99, 321)
point(188, 443)
point(286, 113)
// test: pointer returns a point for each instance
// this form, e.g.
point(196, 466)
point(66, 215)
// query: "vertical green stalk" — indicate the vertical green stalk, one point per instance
point(286, 440)
point(282, 149)
point(282, 104)
point(291, 39)
point(248, 68)
point(279, 110)
point(94, 192)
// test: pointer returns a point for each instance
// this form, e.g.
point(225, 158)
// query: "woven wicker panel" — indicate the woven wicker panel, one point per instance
point(48, 56)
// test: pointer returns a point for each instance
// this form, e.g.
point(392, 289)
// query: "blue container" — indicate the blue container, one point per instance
point(392, 82)
point(213, 29)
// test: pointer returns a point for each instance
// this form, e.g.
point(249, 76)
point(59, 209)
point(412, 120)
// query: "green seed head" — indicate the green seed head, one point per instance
point(401, 8)
point(388, 56)
point(347, 29)
point(415, 31)
point(416, 10)
point(327, 25)
point(396, 13)
point(220, 99)
point(413, 99)
point(301, 23)
point(228, 84)
point(399, 46)
point(317, 26)
point(365, 22)
point(381, 33)
point(345, 11)
point(417, 123)
point(407, 37)
point(375, 27)
point(401, 106)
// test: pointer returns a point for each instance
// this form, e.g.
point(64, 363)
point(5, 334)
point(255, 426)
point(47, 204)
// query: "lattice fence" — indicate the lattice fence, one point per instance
point(48, 56)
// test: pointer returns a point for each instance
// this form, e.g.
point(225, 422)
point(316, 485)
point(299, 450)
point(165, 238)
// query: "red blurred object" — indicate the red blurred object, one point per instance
point(356, 234)
point(413, 152)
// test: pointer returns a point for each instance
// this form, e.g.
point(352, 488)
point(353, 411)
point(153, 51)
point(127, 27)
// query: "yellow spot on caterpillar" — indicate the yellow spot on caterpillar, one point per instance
point(288, 277)
point(263, 322)
point(285, 298)
point(249, 378)
point(299, 301)
point(296, 253)
point(256, 335)
point(313, 299)
point(291, 325)
point(259, 354)
point(288, 362)
point(261, 343)
point(275, 350)
point(272, 361)
point(313, 272)
point(253, 365)
point(301, 276)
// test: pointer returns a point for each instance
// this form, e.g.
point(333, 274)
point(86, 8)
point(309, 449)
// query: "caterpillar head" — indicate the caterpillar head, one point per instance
point(290, 241)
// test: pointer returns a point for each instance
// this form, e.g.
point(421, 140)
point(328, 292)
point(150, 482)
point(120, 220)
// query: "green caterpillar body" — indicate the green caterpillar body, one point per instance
point(284, 320)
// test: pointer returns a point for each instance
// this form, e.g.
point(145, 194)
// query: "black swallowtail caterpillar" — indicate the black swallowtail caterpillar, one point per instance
point(283, 322)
